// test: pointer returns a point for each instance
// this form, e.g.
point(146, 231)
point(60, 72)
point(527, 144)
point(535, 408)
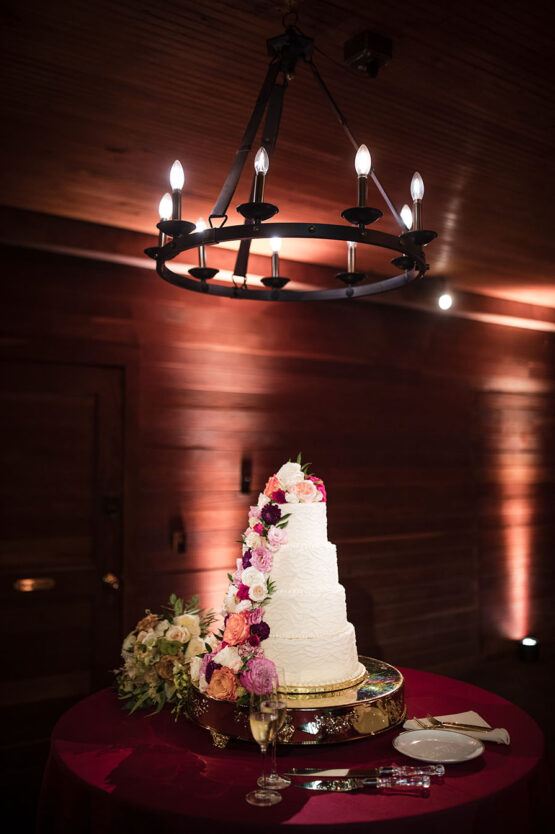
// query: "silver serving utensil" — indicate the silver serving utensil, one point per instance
point(437, 770)
point(407, 783)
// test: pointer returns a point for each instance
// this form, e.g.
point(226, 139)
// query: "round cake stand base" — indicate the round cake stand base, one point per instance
point(373, 706)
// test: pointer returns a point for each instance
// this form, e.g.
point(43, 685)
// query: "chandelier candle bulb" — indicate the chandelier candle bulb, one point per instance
point(363, 166)
point(201, 227)
point(417, 193)
point(165, 211)
point(275, 243)
point(177, 181)
point(351, 256)
point(261, 165)
point(406, 216)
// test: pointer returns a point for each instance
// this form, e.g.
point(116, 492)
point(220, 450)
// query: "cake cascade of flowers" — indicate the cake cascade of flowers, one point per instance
point(284, 605)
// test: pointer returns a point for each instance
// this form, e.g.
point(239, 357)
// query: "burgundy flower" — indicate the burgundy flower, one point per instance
point(254, 640)
point(270, 513)
point(259, 528)
point(210, 669)
point(243, 592)
point(279, 496)
point(262, 630)
point(247, 556)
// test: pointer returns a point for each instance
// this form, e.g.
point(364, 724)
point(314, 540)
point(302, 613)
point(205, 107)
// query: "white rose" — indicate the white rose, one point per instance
point(161, 627)
point(258, 591)
point(189, 621)
point(196, 663)
point(262, 500)
point(128, 643)
point(179, 633)
point(244, 605)
point(252, 540)
point(229, 657)
point(291, 498)
point(212, 640)
point(290, 474)
point(196, 646)
point(141, 636)
point(229, 601)
point(150, 639)
point(252, 576)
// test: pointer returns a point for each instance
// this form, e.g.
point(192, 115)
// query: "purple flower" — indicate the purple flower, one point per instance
point(206, 660)
point(210, 669)
point(254, 640)
point(259, 676)
point(279, 496)
point(255, 615)
point(270, 513)
point(247, 556)
point(262, 630)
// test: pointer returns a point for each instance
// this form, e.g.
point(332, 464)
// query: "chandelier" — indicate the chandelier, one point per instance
point(177, 235)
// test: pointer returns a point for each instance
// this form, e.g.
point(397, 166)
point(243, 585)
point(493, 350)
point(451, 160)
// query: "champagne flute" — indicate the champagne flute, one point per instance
point(275, 702)
point(263, 728)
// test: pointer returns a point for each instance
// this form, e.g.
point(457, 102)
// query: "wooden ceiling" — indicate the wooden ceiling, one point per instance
point(100, 97)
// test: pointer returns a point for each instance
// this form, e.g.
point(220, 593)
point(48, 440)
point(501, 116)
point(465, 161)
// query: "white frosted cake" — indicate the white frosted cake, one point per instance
point(284, 606)
point(310, 635)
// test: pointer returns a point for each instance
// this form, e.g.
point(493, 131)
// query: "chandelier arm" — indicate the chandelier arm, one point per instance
point(228, 190)
point(343, 122)
point(269, 138)
point(244, 292)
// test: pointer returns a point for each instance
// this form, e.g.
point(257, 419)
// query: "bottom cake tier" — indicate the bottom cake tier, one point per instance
point(373, 706)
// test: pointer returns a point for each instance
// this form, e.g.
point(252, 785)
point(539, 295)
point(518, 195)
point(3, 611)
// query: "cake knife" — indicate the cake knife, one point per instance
point(407, 783)
point(349, 772)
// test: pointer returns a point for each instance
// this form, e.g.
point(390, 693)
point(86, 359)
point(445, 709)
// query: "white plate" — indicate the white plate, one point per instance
point(438, 746)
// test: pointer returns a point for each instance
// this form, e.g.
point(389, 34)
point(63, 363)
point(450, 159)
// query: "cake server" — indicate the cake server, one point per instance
point(406, 783)
point(389, 770)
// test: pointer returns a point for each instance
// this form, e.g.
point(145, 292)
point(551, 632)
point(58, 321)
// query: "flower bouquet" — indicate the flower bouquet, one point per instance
point(157, 653)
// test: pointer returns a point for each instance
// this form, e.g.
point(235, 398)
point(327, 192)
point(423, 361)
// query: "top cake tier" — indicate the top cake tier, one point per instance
point(307, 525)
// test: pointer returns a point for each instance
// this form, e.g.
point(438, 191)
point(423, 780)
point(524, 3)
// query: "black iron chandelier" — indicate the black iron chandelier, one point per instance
point(177, 235)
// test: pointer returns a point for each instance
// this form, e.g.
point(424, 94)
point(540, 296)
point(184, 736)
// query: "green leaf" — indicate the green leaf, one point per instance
point(170, 647)
point(299, 457)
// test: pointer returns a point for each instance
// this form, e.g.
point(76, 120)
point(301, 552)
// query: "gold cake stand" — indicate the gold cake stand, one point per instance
point(371, 706)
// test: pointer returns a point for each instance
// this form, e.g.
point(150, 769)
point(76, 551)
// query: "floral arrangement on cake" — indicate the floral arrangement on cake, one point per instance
point(236, 665)
point(157, 653)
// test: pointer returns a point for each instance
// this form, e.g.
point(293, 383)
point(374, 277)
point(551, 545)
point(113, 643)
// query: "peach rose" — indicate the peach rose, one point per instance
point(223, 685)
point(305, 491)
point(272, 486)
point(147, 622)
point(165, 665)
point(236, 629)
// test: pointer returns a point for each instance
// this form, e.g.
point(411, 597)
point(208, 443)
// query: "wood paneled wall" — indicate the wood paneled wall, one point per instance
point(434, 436)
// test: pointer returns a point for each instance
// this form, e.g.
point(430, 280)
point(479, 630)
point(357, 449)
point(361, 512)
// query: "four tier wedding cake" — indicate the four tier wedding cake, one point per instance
point(284, 604)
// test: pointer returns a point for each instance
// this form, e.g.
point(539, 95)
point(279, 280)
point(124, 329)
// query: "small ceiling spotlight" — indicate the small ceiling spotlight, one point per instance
point(528, 649)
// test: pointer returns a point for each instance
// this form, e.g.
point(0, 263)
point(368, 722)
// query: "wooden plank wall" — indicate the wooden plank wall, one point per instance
point(434, 436)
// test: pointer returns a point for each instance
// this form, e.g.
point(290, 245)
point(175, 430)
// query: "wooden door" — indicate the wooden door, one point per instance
point(60, 538)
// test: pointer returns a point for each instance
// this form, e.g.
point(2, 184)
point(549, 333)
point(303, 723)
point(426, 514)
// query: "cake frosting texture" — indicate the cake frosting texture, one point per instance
point(310, 636)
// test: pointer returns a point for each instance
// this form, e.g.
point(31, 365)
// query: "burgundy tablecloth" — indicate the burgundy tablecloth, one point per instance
point(109, 771)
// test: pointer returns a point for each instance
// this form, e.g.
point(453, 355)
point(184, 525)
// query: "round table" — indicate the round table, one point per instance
point(110, 771)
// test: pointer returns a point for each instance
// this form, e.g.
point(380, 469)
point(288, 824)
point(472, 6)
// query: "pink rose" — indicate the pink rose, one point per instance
point(319, 486)
point(262, 559)
point(259, 676)
point(305, 491)
point(254, 512)
point(255, 616)
point(275, 536)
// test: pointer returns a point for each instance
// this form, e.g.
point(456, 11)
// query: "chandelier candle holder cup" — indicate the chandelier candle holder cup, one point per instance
point(178, 235)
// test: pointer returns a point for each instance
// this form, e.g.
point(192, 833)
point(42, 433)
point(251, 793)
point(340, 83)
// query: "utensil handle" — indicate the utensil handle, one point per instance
point(403, 783)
